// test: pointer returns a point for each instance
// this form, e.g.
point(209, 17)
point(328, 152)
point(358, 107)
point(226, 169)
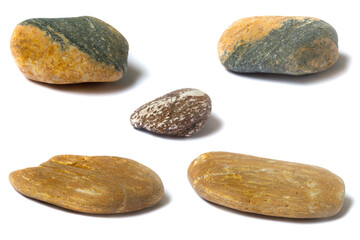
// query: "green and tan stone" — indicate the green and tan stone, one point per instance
point(69, 50)
point(265, 186)
point(281, 45)
point(91, 184)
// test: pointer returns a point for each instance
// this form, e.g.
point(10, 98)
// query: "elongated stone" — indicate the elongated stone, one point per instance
point(183, 112)
point(99, 184)
point(282, 45)
point(69, 50)
point(268, 187)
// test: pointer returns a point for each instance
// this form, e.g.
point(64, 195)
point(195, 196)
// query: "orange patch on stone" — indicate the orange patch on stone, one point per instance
point(323, 54)
point(42, 59)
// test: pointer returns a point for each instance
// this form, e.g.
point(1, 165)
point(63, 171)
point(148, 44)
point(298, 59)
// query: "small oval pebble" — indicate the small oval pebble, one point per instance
point(282, 45)
point(99, 184)
point(265, 186)
point(179, 113)
point(69, 50)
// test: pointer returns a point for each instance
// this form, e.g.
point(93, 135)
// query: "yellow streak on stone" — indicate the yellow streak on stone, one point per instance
point(248, 30)
point(41, 59)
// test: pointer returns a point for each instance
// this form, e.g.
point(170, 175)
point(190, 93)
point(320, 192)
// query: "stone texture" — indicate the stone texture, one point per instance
point(69, 50)
point(179, 113)
point(282, 45)
point(265, 186)
point(100, 184)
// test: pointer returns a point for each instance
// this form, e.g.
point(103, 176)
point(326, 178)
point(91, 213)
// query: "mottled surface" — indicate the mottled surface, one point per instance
point(179, 113)
point(69, 50)
point(282, 45)
point(265, 186)
point(99, 184)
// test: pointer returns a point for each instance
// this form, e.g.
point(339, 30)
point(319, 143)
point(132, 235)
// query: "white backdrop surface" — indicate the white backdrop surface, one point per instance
point(308, 119)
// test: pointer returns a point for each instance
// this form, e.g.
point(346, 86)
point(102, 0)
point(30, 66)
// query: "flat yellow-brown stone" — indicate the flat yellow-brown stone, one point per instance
point(266, 186)
point(99, 184)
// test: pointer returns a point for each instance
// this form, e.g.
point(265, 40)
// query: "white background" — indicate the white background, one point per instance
point(308, 119)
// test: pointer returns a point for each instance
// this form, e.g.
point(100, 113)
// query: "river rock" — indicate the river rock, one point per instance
point(99, 184)
point(265, 186)
point(69, 50)
point(179, 113)
point(282, 45)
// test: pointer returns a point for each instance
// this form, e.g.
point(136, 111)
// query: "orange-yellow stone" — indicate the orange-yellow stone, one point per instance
point(265, 186)
point(99, 184)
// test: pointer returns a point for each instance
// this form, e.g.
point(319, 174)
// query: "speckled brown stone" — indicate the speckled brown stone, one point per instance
point(265, 186)
point(69, 50)
point(99, 184)
point(179, 113)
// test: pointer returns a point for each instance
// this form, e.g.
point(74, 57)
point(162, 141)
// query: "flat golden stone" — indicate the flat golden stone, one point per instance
point(99, 184)
point(265, 186)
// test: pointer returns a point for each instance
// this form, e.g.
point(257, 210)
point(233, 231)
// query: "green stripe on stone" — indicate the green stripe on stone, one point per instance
point(90, 35)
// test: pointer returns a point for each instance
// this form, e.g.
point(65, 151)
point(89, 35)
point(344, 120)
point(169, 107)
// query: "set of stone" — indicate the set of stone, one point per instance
point(86, 49)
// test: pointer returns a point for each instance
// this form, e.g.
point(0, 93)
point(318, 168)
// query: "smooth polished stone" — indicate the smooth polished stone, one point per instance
point(281, 45)
point(265, 186)
point(182, 113)
point(69, 50)
point(96, 184)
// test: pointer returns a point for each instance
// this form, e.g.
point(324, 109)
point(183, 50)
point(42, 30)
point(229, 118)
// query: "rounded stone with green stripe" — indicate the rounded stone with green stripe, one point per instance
point(69, 50)
point(281, 45)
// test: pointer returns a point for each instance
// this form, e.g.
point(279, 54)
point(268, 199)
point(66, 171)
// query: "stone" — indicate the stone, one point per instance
point(69, 50)
point(281, 45)
point(183, 113)
point(265, 186)
point(91, 184)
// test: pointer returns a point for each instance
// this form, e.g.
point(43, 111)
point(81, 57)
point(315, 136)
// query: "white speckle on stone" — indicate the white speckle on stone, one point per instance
point(192, 93)
point(267, 170)
point(27, 179)
point(313, 194)
point(87, 191)
point(311, 184)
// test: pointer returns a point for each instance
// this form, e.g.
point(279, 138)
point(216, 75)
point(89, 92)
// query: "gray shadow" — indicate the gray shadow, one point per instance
point(348, 203)
point(213, 125)
point(337, 69)
point(166, 199)
point(132, 77)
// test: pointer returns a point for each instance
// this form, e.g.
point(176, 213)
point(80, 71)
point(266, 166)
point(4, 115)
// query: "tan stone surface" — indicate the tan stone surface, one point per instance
point(265, 186)
point(99, 184)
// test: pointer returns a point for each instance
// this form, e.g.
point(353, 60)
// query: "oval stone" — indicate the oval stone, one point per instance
point(69, 50)
point(282, 45)
point(98, 184)
point(179, 113)
point(268, 187)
